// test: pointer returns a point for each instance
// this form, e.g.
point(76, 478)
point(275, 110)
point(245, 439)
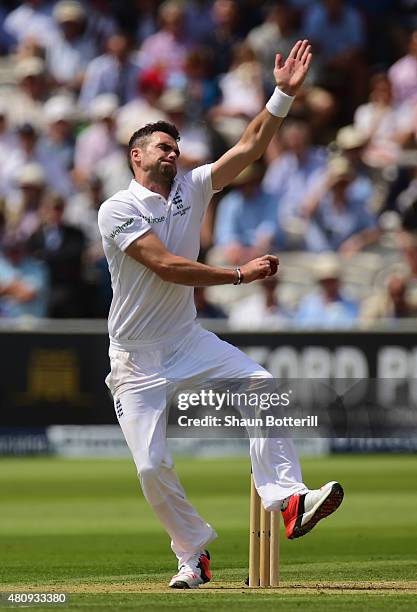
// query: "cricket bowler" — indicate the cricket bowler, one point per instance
point(151, 238)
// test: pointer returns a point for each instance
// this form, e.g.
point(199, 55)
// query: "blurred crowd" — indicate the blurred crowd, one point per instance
point(335, 194)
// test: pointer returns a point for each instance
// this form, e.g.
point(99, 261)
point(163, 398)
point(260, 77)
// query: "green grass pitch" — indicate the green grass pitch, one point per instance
point(82, 526)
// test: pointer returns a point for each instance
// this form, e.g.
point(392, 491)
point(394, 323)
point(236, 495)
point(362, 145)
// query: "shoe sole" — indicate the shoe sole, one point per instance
point(330, 504)
point(180, 584)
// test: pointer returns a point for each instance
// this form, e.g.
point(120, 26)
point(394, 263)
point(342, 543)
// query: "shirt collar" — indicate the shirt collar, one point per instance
point(144, 193)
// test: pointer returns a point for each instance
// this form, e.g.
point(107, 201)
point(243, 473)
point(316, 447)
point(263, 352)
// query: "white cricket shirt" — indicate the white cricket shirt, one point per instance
point(144, 308)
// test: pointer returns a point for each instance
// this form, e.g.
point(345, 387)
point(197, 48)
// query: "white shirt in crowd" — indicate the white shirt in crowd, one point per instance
point(384, 124)
point(252, 313)
point(146, 309)
point(56, 177)
point(28, 22)
point(65, 60)
point(113, 172)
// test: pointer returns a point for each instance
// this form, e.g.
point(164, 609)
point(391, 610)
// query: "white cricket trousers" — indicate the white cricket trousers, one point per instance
point(138, 383)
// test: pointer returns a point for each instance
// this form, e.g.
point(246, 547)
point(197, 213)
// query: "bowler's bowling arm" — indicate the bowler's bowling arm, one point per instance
point(150, 251)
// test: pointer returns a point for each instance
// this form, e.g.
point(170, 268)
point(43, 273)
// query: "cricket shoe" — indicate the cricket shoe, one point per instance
point(301, 512)
point(193, 573)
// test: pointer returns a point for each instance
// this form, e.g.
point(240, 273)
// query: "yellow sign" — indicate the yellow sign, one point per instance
point(54, 376)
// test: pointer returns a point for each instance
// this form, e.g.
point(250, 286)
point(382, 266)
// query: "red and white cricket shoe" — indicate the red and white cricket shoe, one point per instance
point(193, 573)
point(302, 512)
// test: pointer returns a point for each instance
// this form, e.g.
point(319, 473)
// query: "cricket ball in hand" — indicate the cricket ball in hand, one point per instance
point(274, 267)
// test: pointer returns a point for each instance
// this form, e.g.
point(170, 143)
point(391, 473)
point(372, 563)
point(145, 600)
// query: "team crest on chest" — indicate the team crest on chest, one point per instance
point(180, 209)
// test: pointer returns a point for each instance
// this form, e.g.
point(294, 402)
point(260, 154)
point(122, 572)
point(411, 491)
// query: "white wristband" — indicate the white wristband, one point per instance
point(279, 103)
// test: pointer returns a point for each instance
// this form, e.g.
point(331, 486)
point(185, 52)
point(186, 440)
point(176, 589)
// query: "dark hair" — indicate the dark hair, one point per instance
point(139, 137)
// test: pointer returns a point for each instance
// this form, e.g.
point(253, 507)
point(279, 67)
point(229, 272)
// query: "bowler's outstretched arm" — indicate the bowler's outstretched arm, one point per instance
point(289, 76)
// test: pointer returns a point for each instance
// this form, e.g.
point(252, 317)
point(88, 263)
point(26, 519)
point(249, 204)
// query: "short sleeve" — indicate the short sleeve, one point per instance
point(200, 181)
point(121, 222)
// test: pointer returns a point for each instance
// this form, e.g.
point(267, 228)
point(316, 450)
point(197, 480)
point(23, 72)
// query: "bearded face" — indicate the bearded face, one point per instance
point(158, 157)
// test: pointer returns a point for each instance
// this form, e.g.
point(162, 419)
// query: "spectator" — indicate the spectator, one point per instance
point(24, 281)
point(113, 170)
point(277, 34)
point(260, 311)
point(198, 20)
point(403, 74)
point(115, 72)
point(242, 94)
point(26, 104)
point(195, 142)
point(206, 309)
point(98, 140)
point(368, 184)
point(382, 21)
point(145, 107)
point(29, 150)
point(57, 42)
point(82, 211)
point(396, 301)
point(241, 86)
point(73, 47)
point(22, 208)
point(321, 108)
point(61, 247)
point(339, 220)
point(31, 19)
point(351, 143)
point(246, 223)
point(201, 89)
point(291, 175)
point(337, 34)
point(327, 307)
point(166, 50)
point(82, 208)
point(146, 13)
point(224, 36)
point(59, 140)
point(385, 128)
point(101, 22)
point(337, 29)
